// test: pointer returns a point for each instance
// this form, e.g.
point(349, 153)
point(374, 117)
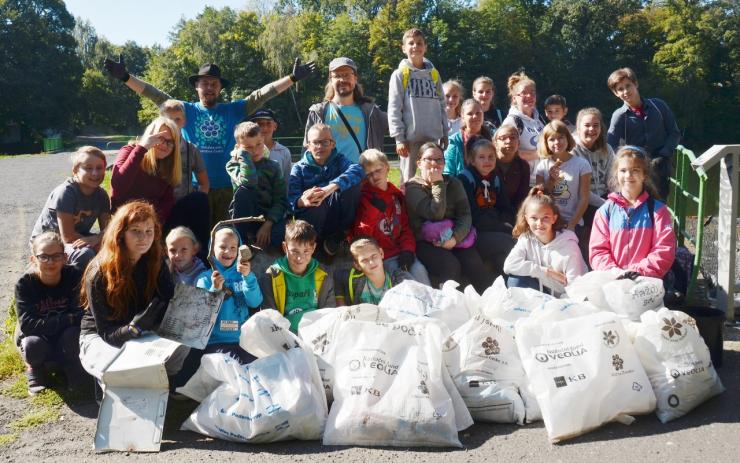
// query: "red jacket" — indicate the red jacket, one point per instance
point(129, 181)
point(382, 215)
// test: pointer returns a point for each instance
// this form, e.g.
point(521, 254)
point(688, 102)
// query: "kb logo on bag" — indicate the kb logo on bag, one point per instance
point(562, 381)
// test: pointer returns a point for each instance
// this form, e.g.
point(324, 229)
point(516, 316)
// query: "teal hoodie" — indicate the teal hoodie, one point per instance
point(246, 294)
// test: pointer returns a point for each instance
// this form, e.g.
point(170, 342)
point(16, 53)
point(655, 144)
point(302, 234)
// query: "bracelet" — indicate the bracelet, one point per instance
point(292, 78)
point(134, 330)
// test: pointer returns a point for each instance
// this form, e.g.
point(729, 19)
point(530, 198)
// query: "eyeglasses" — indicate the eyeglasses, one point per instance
point(46, 258)
point(434, 160)
point(167, 142)
point(321, 143)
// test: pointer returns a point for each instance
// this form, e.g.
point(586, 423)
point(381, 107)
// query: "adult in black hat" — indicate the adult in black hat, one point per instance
point(356, 122)
point(210, 124)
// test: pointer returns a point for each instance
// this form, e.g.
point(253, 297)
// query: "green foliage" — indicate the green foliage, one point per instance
point(7, 439)
point(41, 76)
point(11, 363)
point(684, 51)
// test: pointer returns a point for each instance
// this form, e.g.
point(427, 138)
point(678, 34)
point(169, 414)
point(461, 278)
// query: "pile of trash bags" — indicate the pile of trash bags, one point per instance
point(425, 363)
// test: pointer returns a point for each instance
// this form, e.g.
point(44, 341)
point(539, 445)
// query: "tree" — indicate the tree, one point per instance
point(37, 49)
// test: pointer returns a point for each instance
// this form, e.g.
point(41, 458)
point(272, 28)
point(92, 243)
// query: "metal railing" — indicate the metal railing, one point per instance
point(678, 205)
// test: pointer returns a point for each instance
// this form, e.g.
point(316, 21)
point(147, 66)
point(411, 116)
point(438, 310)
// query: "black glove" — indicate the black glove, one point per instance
point(629, 275)
point(147, 318)
point(406, 259)
point(117, 69)
point(301, 71)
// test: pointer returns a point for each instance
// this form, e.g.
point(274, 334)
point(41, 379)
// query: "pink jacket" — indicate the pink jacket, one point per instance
point(628, 238)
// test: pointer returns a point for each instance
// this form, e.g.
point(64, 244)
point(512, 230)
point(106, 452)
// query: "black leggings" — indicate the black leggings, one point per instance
point(493, 248)
point(444, 265)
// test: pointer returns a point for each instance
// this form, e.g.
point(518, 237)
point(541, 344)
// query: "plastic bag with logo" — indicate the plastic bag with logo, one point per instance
point(277, 397)
point(589, 287)
point(677, 362)
point(584, 373)
point(483, 360)
point(317, 328)
point(514, 303)
point(391, 387)
point(630, 298)
point(411, 299)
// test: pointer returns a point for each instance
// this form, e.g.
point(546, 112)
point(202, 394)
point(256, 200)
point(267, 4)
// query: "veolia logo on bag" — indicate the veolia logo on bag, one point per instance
point(561, 353)
point(672, 330)
point(374, 363)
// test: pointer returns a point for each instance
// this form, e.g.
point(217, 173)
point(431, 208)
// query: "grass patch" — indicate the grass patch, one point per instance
point(106, 181)
point(7, 439)
point(395, 176)
point(35, 417)
point(11, 363)
point(17, 390)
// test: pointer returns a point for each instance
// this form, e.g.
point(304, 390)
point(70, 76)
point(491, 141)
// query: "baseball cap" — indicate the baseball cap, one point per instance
point(263, 114)
point(337, 63)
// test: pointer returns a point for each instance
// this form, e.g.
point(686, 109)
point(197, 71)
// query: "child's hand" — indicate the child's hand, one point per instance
point(402, 149)
point(244, 268)
point(218, 280)
point(449, 244)
point(263, 234)
point(434, 175)
point(557, 276)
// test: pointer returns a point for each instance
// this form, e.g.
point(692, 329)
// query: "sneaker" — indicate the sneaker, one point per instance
point(36, 380)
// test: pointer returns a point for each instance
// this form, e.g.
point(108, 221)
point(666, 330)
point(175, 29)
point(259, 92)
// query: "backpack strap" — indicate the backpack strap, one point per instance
point(406, 73)
point(278, 291)
point(468, 176)
point(349, 127)
point(651, 209)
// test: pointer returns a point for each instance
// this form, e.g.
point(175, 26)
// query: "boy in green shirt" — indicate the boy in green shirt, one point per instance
point(367, 281)
point(296, 283)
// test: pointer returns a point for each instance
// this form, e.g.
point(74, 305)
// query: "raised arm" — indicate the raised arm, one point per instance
point(118, 70)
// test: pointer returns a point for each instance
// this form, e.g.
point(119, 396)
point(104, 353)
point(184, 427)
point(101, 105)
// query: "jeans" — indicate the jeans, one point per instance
point(245, 205)
point(335, 215)
point(417, 270)
point(518, 281)
point(443, 264)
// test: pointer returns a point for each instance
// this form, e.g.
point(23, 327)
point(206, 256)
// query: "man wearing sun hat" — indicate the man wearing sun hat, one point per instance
point(356, 122)
point(210, 124)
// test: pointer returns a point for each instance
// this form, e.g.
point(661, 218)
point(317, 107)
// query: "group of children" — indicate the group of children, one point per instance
point(510, 195)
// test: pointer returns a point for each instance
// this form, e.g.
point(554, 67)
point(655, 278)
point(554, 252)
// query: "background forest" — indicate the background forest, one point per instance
point(683, 51)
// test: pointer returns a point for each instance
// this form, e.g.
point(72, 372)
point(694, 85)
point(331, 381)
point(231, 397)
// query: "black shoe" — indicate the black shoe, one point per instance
point(36, 378)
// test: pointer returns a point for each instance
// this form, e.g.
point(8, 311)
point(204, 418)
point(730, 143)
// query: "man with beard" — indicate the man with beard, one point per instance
point(210, 124)
point(356, 122)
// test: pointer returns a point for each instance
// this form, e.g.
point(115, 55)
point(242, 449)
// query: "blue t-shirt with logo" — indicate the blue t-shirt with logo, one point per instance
point(345, 144)
point(212, 131)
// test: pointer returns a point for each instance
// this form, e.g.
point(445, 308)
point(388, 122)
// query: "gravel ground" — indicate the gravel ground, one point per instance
point(707, 433)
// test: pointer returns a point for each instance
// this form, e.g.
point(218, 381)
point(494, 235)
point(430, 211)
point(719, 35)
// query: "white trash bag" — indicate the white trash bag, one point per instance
point(589, 287)
point(391, 387)
point(677, 362)
point(630, 298)
point(412, 299)
point(277, 397)
point(317, 328)
point(515, 303)
point(584, 373)
point(483, 360)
